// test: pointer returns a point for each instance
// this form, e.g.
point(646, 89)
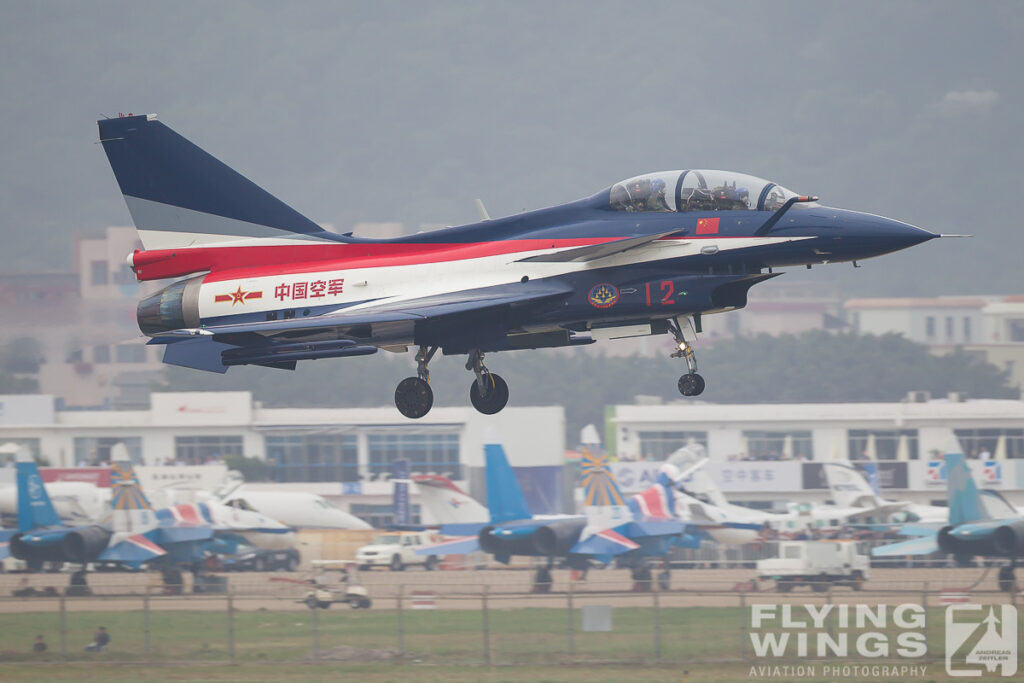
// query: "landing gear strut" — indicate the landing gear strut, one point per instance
point(690, 384)
point(488, 393)
point(641, 578)
point(413, 396)
point(542, 579)
point(1007, 581)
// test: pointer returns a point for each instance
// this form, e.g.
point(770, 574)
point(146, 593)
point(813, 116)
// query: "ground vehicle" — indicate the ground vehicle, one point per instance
point(397, 550)
point(259, 560)
point(323, 592)
point(817, 564)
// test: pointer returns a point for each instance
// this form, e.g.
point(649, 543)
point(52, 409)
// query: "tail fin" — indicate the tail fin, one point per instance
point(179, 196)
point(964, 500)
point(400, 492)
point(700, 483)
point(659, 500)
point(849, 488)
point(131, 509)
point(35, 509)
point(505, 499)
point(599, 485)
point(447, 503)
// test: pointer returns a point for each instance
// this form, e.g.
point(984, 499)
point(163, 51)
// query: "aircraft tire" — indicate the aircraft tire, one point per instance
point(494, 400)
point(414, 397)
point(691, 384)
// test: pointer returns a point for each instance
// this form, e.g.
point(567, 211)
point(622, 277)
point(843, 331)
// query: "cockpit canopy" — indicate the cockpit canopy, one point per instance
point(697, 191)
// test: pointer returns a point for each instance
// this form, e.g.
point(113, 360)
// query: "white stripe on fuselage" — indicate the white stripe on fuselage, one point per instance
point(392, 284)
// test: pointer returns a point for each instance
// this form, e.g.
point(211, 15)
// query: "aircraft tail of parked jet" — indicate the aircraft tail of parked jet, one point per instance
point(964, 498)
point(131, 510)
point(448, 504)
point(35, 509)
point(180, 196)
point(849, 488)
point(505, 500)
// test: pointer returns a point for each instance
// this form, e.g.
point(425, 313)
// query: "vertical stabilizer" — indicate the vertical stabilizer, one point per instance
point(599, 485)
point(962, 493)
point(505, 499)
point(35, 509)
point(181, 196)
point(131, 509)
point(849, 488)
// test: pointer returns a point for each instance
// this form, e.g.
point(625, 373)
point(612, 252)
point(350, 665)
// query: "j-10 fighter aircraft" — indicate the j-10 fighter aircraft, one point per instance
point(264, 285)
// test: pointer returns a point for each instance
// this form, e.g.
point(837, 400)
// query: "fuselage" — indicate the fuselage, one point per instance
point(704, 260)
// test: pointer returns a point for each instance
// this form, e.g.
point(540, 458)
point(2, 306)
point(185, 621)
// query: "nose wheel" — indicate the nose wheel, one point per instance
point(413, 396)
point(488, 393)
point(690, 384)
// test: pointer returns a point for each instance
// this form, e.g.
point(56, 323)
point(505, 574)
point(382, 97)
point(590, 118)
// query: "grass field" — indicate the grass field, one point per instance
point(693, 643)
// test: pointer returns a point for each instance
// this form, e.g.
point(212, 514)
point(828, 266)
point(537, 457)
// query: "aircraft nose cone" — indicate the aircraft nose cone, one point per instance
point(871, 235)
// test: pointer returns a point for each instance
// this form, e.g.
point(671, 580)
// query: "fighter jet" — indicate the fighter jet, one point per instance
point(264, 285)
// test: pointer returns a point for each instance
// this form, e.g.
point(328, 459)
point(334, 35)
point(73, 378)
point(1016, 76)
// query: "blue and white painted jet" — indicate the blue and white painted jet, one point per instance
point(267, 286)
point(980, 524)
point(612, 527)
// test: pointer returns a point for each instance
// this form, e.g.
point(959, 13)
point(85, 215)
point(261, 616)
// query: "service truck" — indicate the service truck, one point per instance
point(818, 564)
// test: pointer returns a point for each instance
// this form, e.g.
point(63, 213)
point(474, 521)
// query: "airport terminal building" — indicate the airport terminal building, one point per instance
point(342, 454)
point(766, 455)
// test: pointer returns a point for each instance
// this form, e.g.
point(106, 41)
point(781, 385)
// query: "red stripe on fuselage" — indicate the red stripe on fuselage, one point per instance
point(305, 258)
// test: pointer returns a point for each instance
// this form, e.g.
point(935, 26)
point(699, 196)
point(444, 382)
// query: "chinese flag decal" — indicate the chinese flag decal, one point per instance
point(707, 226)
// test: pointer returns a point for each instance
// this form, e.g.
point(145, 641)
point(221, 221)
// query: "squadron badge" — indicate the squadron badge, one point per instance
point(603, 296)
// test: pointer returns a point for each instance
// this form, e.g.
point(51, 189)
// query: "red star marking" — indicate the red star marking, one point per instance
point(238, 296)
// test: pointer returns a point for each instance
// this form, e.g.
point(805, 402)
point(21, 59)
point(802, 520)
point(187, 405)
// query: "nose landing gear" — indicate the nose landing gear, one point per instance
point(690, 384)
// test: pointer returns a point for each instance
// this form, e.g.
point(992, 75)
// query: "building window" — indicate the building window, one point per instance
point(886, 443)
point(199, 450)
point(101, 354)
point(967, 329)
point(426, 453)
point(949, 328)
point(93, 451)
point(779, 445)
point(313, 457)
point(382, 516)
point(658, 446)
point(131, 353)
point(929, 327)
point(984, 443)
point(99, 272)
point(1016, 329)
point(32, 445)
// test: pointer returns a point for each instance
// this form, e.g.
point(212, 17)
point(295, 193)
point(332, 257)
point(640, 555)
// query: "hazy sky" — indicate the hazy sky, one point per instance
point(379, 111)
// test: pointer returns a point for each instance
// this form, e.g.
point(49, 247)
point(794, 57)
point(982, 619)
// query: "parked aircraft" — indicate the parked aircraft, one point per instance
point(296, 509)
point(267, 286)
point(850, 489)
point(980, 524)
point(612, 527)
point(76, 502)
point(702, 501)
point(136, 533)
point(42, 537)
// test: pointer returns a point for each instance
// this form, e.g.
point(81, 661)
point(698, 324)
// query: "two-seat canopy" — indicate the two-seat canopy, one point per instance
point(697, 191)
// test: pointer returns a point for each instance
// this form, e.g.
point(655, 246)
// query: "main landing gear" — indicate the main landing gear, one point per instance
point(488, 393)
point(1007, 581)
point(414, 397)
point(690, 384)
